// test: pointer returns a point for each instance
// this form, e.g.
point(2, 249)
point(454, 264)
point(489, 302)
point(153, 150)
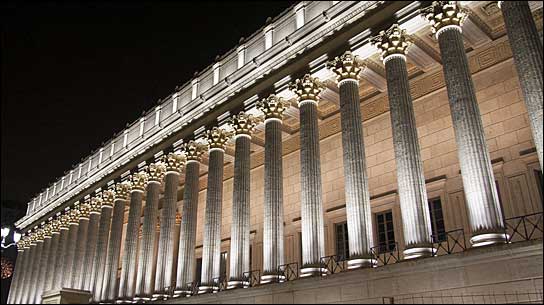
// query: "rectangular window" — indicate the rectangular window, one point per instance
point(79, 172)
point(216, 73)
point(54, 188)
point(342, 242)
point(241, 56)
point(198, 273)
point(46, 194)
point(437, 220)
point(194, 92)
point(268, 38)
point(223, 265)
point(175, 103)
point(539, 186)
point(125, 138)
point(100, 155)
point(142, 122)
point(385, 230)
point(62, 183)
point(112, 150)
point(299, 12)
point(71, 177)
point(89, 166)
point(157, 115)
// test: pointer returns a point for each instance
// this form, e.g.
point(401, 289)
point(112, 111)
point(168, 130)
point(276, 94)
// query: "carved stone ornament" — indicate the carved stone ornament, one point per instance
point(194, 150)
point(273, 107)
point(108, 196)
point(156, 171)
point(174, 162)
point(393, 41)
point(217, 138)
point(243, 123)
point(346, 66)
point(122, 190)
point(307, 88)
point(96, 204)
point(139, 181)
point(444, 13)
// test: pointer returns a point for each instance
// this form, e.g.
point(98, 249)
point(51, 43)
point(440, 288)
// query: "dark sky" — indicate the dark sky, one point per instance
point(73, 74)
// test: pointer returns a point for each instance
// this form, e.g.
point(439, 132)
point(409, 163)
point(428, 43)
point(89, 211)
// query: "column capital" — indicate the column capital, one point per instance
point(156, 171)
point(32, 237)
point(346, 66)
point(139, 181)
point(444, 14)
point(174, 162)
point(40, 234)
point(243, 123)
point(307, 88)
point(393, 41)
point(193, 150)
point(85, 209)
point(65, 220)
point(217, 138)
point(55, 225)
point(273, 107)
point(107, 198)
point(122, 190)
point(48, 229)
point(96, 204)
point(73, 215)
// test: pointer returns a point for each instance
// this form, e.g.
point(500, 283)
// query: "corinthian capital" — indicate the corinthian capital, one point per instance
point(40, 234)
point(55, 225)
point(393, 41)
point(193, 150)
point(156, 172)
point(273, 107)
point(217, 138)
point(108, 196)
point(73, 216)
point(96, 204)
point(346, 66)
point(307, 88)
point(122, 190)
point(243, 123)
point(139, 181)
point(174, 162)
point(85, 209)
point(443, 14)
point(47, 229)
point(65, 221)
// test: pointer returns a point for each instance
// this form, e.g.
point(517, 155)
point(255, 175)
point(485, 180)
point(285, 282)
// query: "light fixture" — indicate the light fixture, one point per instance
point(5, 233)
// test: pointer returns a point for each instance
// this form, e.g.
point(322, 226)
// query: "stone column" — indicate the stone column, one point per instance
point(211, 246)
point(273, 257)
point(54, 250)
point(187, 235)
point(61, 252)
point(359, 217)
point(243, 125)
point(30, 282)
point(101, 252)
point(92, 238)
point(71, 248)
point(163, 282)
point(81, 244)
point(311, 204)
point(527, 53)
point(40, 278)
point(416, 220)
point(19, 263)
point(127, 288)
point(485, 218)
point(27, 265)
point(145, 275)
point(110, 286)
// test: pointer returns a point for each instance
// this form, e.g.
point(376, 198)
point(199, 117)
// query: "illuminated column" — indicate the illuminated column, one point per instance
point(92, 238)
point(16, 280)
point(211, 246)
point(101, 251)
point(110, 287)
point(416, 220)
point(71, 247)
point(273, 108)
point(527, 53)
point(359, 219)
point(145, 275)
point(187, 235)
point(54, 250)
point(311, 205)
point(174, 165)
point(26, 268)
point(485, 218)
point(81, 245)
point(30, 286)
point(130, 255)
point(61, 251)
point(42, 266)
point(243, 125)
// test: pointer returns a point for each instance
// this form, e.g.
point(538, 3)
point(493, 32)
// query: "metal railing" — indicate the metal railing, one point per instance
point(289, 272)
point(251, 278)
point(220, 283)
point(449, 242)
point(334, 263)
point(516, 297)
point(385, 254)
point(526, 227)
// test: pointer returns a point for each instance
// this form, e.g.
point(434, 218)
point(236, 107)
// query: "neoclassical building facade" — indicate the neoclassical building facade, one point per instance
point(343, 147)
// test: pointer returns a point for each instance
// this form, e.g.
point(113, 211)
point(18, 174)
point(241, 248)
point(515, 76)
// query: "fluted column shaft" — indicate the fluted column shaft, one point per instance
point(187, 235)
point(127, 286)
point(16, 280)
point(527, 53)
point(40, 279)
point(211, 248)
point(476, 171)
point(30, 282)
point(313, 237)
point(145, 276)
point(410, 179)
point(51, 262)
point(356, 179)
point(92, 238)
point(70, 255)
point(79, 253)
point(273, 200)
point(21, 287)
point(62, 248)
point(239, 242)
point(96, 280)
point(110, 287)
point(166, 235)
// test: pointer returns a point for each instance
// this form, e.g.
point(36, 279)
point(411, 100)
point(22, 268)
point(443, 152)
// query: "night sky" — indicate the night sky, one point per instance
point(73, 74)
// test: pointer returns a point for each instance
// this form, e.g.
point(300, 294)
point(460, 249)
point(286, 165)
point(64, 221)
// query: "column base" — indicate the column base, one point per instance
point(124, 301)
point(207, 289)
point(233, 284)
point(486, 239)
point(144, 298)
point(312, 271)
point(362, 263)
point(183, 292)
point(418, 252)
point(272, 278)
